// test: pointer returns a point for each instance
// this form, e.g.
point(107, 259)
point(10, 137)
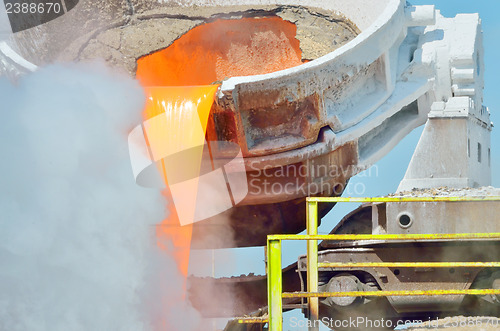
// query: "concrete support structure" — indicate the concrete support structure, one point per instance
point(454, 149)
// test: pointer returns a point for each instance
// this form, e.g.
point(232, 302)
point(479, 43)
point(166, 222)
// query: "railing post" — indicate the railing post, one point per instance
point(274, 285)
point(312, 264)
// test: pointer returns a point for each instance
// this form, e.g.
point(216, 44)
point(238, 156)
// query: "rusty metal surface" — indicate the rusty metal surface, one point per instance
point(301, 176)
point(291, 115)
point(282, 122)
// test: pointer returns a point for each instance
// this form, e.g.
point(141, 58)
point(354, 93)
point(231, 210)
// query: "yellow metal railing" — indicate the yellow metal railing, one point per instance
point(274, 277)
point(253, 320)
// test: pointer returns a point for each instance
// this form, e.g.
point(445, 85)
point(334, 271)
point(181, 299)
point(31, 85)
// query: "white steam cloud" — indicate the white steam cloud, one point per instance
point(77, 243)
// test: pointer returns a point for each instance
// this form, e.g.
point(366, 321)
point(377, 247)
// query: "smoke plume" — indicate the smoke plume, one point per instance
point(77, 240)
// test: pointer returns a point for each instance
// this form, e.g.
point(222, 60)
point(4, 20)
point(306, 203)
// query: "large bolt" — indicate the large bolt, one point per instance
point(344, 283)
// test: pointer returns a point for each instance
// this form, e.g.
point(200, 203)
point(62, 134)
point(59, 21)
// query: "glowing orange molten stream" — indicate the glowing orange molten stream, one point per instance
point(222, 49)
point(208, 53)
point(187, 109)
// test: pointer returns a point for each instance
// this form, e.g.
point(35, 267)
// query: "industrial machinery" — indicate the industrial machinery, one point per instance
point(308, 128)
point(425, 264)
point(311, 127)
